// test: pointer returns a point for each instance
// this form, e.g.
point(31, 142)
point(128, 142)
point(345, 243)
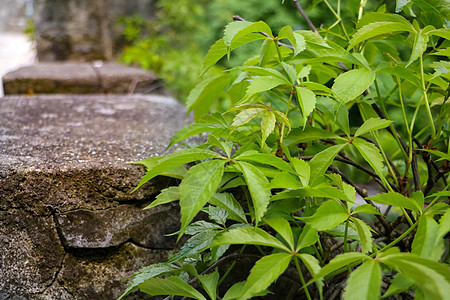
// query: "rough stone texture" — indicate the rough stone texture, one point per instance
point(79, 78)
point(115, 226)
point(69, 227)
point(83, 30)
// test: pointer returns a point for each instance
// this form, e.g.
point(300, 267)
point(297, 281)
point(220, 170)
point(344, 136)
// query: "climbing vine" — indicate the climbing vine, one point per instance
point(311, 119)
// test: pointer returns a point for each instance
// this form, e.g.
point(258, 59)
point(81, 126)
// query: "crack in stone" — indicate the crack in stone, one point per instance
point(56, 275)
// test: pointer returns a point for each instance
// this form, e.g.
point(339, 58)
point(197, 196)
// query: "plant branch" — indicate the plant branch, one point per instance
point(363, 193)
point(302, 12)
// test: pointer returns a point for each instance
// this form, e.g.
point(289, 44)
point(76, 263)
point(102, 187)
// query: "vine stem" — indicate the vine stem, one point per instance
point(427, 103)
point(302, 279)
point(302, 12)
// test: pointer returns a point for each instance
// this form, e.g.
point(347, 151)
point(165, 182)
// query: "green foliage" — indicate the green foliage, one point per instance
point(278, 174)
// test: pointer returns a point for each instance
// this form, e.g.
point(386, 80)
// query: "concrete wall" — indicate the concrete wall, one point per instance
point(83, 30)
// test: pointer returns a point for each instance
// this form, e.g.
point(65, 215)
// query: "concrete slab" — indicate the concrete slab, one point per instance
point(65, 201)
point(79, 78)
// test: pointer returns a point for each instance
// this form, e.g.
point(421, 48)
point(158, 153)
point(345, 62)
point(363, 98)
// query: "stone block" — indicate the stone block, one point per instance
point(69, 226)
point(79, 78)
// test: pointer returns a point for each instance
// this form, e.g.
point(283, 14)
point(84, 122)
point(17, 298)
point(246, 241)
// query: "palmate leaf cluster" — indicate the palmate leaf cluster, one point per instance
point(274, 176)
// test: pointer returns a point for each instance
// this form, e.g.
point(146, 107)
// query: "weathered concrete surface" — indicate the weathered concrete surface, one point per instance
point(69, 227)
point(79, 78)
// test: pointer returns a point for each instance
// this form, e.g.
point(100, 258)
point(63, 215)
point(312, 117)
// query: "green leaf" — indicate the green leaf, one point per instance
point(313, 266)
point(267, 125)
point(216, 214)
point(302, 169)
point(353, 83)
point(400, 283)
point(230, 204)
point(373, 17)
point(258, 71)
point(441, 155)
point(312, 39)
point(290, 72)
point(203, 94)
point(283, 227)
point(307, 101)
point(365, 236)
point(146, 273)
point(364, 282)
point(371, 125)
point(236, 38)
point(340, 261)
point(169, 286)
point(310, 133)
point(284, 180)
point(268, 53)
point(393, 198)
point(366, 208)
point(371, 154)
point(419, 47)
point(258, 186)
point(175, 159)
point(232, 29)
point(327, 216)
point(246, 116)
point(189, 131)
point(196, 244)
point(377, 28)
point(322, 160)
point(400, 4)
point(308, 237)
point(432, 278)
point(197, 188)
point(426, 239)
point(167, 195)
point(297, 40)
point(219, 143)
point(200, 226)
point(438, 8)
point(442, 32)
point(262, 84)
point(265, 271)
point(250, 236)
point(209, 283)
point(444, 224)
point(267, 159)
point(442, 52)
point(402, 73)
point(215, 53)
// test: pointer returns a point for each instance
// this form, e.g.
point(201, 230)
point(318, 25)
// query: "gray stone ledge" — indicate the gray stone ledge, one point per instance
point(79, 78)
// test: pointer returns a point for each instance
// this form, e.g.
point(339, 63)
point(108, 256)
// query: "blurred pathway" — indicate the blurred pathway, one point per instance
point(15, 51)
